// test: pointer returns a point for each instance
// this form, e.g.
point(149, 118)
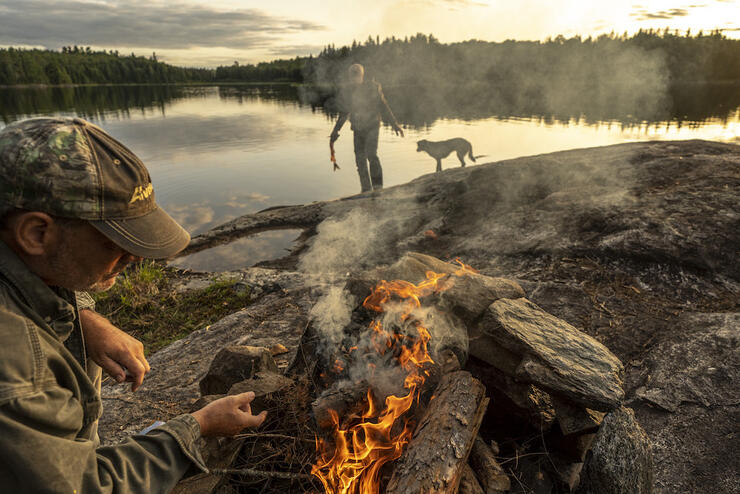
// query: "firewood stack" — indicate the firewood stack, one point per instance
point(518, 400)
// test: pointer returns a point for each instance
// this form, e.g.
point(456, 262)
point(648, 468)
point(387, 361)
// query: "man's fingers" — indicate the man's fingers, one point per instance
point(255, 420)
point(136, 381)
point(145, 363)
point(244, 399)
point(136, 371)
point(112, 368)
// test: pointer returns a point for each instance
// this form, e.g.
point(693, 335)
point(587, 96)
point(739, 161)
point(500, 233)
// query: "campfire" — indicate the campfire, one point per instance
point(361, 445)
point(401, 404)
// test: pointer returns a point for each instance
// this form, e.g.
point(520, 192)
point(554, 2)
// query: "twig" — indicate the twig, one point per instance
point(260, 473)
point(275, 436)
point(516, 458)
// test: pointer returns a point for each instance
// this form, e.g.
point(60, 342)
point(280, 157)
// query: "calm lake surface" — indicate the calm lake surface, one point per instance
point(215, 153)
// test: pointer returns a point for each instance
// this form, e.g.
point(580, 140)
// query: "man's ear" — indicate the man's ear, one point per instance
point(33, 233)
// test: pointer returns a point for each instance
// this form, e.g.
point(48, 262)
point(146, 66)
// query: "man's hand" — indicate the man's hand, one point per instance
point(113, 350)
point(228, 416)
point(398, 130)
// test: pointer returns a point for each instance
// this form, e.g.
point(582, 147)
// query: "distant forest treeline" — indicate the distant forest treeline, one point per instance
point(671, 56)
point(78, 65)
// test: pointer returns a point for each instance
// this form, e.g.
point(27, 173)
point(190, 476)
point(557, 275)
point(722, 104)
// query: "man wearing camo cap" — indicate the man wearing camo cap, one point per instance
point(76, 206)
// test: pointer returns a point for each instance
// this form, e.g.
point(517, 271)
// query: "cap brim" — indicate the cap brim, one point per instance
point(154, 236)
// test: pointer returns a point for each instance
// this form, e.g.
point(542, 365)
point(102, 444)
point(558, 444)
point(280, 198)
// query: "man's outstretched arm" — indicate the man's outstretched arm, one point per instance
point(389, 113)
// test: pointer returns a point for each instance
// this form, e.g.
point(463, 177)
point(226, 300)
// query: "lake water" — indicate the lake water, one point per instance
point(215, 153)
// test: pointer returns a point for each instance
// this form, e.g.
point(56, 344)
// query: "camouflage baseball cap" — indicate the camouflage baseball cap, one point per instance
point(71, 168)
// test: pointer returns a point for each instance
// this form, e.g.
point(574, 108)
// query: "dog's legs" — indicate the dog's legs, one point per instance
point(439, 165)
point(461, 157)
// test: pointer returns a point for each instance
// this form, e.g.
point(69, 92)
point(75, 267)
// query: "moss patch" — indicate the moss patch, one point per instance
point(144, 303)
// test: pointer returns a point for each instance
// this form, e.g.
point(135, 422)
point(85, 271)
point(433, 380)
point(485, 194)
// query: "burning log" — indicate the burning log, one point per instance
point(342, 401)
point(491, 475)
point(436, 457)
point(350, 398)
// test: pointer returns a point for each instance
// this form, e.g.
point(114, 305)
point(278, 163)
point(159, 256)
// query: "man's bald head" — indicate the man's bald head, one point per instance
point(356, 73)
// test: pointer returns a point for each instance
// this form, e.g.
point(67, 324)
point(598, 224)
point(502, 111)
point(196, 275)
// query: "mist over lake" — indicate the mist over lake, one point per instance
point(218, 152)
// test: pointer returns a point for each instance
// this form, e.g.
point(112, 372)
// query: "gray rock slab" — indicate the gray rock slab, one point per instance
point(554, 355)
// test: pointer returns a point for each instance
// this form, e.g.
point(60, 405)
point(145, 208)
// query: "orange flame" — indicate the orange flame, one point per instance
point(351, 463)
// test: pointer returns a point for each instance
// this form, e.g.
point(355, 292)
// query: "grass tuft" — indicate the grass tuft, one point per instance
point(144, 303)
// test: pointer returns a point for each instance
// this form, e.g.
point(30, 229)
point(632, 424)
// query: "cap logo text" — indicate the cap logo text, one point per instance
point(141, 192)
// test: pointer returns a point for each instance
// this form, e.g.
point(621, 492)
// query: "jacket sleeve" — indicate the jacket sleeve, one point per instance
point(41, 453)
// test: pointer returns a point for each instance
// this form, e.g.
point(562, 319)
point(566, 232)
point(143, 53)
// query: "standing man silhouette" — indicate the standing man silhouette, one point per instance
point(363, 102)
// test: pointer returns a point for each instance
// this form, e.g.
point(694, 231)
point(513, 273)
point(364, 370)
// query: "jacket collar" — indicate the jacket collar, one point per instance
point(37, 295)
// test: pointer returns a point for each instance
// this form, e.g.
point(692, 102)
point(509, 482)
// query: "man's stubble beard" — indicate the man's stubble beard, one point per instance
point(71, 276)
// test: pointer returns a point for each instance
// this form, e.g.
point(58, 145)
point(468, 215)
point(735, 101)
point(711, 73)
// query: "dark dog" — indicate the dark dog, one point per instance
point(442, 149)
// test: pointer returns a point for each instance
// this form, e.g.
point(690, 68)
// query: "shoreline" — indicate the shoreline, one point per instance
point(671, 84)
point(140, 84)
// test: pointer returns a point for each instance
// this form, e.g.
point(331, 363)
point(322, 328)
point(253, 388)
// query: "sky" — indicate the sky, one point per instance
point(219, 32)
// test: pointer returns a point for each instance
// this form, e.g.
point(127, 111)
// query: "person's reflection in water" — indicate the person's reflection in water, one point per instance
point(362, 102)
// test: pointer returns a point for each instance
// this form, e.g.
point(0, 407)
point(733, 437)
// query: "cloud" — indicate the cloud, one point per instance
point(139, 23)
point(644, 15)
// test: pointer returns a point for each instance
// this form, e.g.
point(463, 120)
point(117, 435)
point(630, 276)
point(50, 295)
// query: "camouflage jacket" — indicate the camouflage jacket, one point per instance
point(49, 405)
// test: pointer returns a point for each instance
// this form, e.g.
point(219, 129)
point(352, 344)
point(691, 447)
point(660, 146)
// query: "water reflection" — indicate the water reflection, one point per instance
point(91, 102)
point(422, 106)
point(417, 106)
point(241, 253)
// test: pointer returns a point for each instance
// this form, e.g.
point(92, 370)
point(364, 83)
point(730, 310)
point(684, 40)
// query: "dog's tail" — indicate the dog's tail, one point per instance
point(470, 155)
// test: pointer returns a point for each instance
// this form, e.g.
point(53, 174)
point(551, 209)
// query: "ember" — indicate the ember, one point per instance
point(352, 461)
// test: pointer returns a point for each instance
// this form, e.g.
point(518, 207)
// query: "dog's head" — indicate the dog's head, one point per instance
point(421, 145)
